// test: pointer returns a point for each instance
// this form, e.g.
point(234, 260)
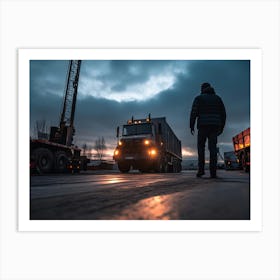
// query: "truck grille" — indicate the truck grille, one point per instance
point(133, 146)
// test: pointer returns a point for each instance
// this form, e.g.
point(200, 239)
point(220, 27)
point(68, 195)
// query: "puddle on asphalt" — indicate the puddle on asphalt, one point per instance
point(155, 208)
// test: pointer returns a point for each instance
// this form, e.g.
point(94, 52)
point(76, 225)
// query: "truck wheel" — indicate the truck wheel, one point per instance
point(180, 167)
point(245, 167)
point(44, 159)
point(171, 168)
point(124, 167)
point(175, 167)
point(158, 167)
point(84, 165)
point(165, 168)
point(61, 161)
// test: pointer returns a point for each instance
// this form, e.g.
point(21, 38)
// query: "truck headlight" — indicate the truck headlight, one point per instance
point(116, 153)
point(153, 152)
point(147, 142)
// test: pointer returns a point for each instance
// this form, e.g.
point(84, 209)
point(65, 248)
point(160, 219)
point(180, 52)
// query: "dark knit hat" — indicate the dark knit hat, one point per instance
point(205, 85)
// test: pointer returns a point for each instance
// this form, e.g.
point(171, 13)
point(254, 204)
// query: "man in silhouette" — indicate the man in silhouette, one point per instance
point(209, 111)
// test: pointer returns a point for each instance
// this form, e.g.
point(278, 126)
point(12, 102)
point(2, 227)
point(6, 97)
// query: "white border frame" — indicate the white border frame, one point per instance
point(24, 57)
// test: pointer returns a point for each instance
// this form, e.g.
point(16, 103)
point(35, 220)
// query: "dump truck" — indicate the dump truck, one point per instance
point(241, 144)
point(148, 145)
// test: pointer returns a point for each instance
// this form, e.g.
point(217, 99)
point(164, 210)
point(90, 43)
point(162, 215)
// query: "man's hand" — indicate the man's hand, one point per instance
point(192, 131)
point(220, 131)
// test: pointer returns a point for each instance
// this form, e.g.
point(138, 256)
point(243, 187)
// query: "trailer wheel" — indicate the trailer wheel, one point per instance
point(158, 166)
point(244, 160)
point(174, 167)
point(44, 159)
point(177, 167)
point(124, 167)
point(171, 168)
point(61, 161)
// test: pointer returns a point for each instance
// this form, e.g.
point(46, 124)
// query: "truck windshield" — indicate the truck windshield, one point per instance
point(136, 129)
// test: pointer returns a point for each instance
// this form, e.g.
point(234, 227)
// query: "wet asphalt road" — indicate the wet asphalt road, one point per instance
point(107, 195)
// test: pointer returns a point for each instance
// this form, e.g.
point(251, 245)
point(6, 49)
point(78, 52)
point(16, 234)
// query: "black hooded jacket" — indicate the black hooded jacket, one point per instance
point(209, 110)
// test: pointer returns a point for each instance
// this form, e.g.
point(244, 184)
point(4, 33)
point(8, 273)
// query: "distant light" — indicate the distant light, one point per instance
point(187, 152)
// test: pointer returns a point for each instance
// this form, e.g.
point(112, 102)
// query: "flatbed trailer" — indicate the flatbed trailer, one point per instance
point(48, 156)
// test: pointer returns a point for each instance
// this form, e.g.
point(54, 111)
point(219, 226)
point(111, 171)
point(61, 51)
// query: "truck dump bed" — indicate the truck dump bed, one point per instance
point(171, 142)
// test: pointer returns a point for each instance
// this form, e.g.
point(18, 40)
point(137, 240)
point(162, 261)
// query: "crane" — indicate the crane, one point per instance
point(57, 153)
point(65, 132)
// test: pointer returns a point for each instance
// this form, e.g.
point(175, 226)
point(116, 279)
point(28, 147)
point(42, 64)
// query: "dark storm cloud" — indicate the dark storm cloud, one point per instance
point(47, 77)
point(128, 80)
point(99, 117)
point(230, 80)
point(47, 82)
point(124, 72)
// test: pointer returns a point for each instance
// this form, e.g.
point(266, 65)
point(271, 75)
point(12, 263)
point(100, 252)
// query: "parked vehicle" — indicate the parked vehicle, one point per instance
point(231, 161)
point(241, 143)
point(148, 145)
point(58, 154)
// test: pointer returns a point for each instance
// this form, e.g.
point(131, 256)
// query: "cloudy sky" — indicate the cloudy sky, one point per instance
point(111, 91)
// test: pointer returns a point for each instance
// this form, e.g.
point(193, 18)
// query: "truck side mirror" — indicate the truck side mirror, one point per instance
point(118, 131)
point(159, 129)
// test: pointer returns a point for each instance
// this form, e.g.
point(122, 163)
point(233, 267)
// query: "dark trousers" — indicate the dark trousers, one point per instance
point(210, 133)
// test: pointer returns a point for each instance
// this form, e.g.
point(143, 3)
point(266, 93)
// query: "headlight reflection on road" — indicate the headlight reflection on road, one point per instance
point(114, 181)
point(154, 208)
point(157, 207)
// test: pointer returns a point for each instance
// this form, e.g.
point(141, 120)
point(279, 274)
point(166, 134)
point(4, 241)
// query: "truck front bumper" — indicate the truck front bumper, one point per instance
point(137, 160)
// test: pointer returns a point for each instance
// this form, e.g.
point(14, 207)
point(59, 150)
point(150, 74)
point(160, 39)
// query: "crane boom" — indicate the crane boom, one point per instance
point(64, 133)
point(70, 95)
